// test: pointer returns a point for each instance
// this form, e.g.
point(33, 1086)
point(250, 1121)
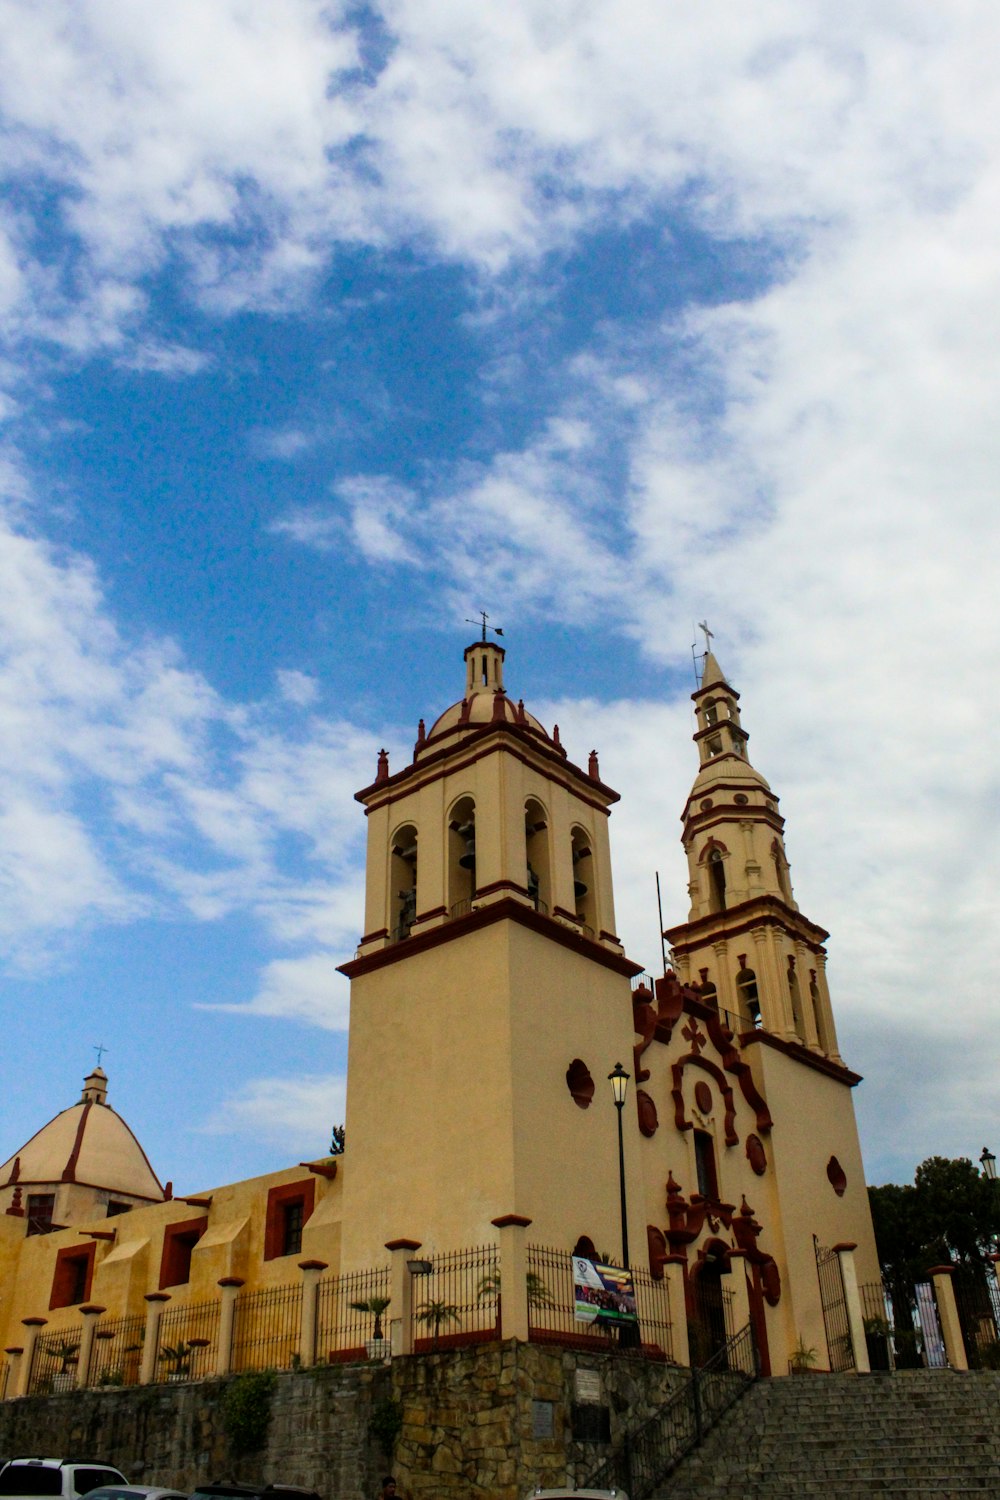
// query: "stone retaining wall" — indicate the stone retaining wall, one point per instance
point(474, 1421)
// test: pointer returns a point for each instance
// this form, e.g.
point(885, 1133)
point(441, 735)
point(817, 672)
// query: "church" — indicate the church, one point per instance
point(493, 1011)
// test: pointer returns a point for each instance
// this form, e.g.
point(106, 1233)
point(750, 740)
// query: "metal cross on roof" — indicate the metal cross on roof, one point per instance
point(100, 1049)
point(484, 616)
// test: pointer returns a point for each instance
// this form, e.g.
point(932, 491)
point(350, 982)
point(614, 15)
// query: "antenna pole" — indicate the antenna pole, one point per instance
point(659, 908)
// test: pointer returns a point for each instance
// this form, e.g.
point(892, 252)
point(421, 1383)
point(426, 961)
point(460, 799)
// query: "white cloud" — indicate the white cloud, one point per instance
point(296, 1114)
point(299, 989)
point(297, 687)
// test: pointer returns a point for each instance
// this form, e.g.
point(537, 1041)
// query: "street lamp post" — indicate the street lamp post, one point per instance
point(988, 1162)
point(618, 1080)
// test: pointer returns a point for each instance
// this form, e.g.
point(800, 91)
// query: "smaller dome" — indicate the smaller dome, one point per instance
point(485, 702)
point(87, 1144)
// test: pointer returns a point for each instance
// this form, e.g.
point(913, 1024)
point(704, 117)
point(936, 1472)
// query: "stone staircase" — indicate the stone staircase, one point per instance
point(915, 1434)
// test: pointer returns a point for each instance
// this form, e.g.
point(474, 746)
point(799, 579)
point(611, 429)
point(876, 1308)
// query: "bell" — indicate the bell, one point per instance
point(468, 859)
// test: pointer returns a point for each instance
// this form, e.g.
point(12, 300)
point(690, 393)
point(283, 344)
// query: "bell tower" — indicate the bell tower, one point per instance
point(489, 973)
point(745, 943)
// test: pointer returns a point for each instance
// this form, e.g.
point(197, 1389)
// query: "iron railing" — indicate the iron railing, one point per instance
point(117, 1353)
point(189, 1337)
point(552, 1307)
point(978, 1315)
point(650, 1451)
point(343, 1328)
point(54, 1363)
point(458, 1301)
point(266, 1328)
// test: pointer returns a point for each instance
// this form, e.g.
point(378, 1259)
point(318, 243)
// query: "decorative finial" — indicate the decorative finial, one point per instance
point(382, 773)
point(593, 769)
point(483, 618)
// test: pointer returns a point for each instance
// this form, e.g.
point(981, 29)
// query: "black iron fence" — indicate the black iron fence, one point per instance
point(552, 1307)
point(188, 1340)
point(346, 1315)
point(978, 1315)
point(650, 1451)
point(458, 1300)
point(266, 1328)
point(54, 1363)
point(117, 1353)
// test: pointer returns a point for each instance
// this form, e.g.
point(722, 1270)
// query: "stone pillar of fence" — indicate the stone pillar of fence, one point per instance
point(513, 1276)
point(14, 1356)
point(33, 1327)
point(852, 1301)
point(951, 1328)
point(311, 1270)
point(151, 1337)
point(229, 1287)
point(401, 1296)
point(91, 1312)
point(673, 1273)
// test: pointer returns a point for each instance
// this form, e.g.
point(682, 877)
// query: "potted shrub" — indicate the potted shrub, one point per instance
point(377, 1347)
point(802, 1358)
point(177, 1358)
point(65, 1377)
point(877, 1332)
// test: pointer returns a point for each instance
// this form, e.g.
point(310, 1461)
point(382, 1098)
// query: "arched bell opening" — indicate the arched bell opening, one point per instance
point(746, 988)
point(403, 882)
point(795, 996)
point(819, 1016)
point(462, 857)
point(716, 867)
point(584, 876)
point(538, 874)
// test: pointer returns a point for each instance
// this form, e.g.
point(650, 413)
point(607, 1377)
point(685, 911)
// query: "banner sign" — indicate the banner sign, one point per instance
point(603, 1295)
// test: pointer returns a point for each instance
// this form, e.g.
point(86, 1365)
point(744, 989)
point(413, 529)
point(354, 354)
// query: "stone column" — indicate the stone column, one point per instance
point(229, 1287)
point(809, 1018)
point(673, 1271)
point(772, 994)
point(723, 979)
point(151, 1339)
point(513, 1276)
point(311, 1270)
point(91, 1313)
point(852, 1300)
point(737, 1284)
point(401, 1294)
point(829, 1028)
point(13, 1371)
point(32, 1328)
point(951, 1328)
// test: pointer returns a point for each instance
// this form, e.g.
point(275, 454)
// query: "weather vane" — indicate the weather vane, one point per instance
point(100, 1049)
point(484, 616)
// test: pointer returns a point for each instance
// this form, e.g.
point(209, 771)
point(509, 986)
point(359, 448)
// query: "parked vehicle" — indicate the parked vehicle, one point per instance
point(235, 1489)
point(136, 1492)
point(577, 1495)
point(56, 1478)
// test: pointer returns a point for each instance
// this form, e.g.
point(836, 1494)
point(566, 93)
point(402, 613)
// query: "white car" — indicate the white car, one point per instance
point(577, 1495)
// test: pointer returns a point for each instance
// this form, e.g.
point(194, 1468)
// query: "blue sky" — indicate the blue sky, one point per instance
point(325, 327)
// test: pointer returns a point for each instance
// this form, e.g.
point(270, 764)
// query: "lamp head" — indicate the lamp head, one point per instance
point(618, 1079)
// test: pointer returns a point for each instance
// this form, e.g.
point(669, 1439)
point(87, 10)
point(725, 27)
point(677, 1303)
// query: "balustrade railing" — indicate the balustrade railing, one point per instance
point(552, 1307)
point(458, 1300)
point(344, 1323)
point(188, 1338)
point(117, 1353)
point(266, 1328)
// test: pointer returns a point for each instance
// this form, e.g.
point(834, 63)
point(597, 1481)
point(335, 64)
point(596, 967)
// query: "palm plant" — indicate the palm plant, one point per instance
point(376, 1306)
point(179, 1356)
point(433, 1314)
point(538, 1292)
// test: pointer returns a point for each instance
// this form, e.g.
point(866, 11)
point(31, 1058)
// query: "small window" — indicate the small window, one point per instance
point(41, 1207)
point(704, 1160)
point(179, 1241)
point(30, 1479)
point(292, 1214)
point(116, 1207)
point(288, 1210)
point(72, 1277)
point(711, 714)
point(715, 745)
